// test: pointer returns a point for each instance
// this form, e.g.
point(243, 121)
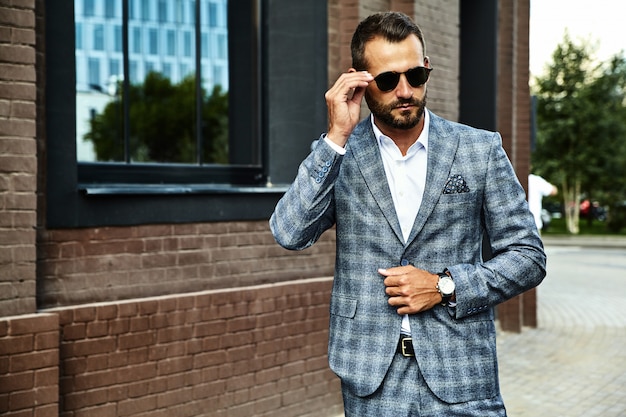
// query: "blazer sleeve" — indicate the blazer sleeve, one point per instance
point(518, 260)
point(307, 209)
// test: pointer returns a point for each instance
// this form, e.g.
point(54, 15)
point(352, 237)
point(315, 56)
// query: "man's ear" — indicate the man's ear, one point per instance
point(427, 62)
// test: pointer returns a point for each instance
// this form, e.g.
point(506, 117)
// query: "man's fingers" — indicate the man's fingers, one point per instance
point(397, 281)
point(395, 276)
point(394, 291)
point(349, 82)
point(409, 289)
point(397, 301)
point(396, 270)
point(402, 305)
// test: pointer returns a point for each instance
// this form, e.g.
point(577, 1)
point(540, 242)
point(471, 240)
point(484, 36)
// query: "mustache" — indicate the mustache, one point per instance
point(404, 101)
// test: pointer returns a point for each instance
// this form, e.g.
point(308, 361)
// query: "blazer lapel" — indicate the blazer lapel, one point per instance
point(370, 163)
point(442, 146)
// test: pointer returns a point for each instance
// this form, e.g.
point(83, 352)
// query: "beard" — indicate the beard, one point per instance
point(407, 119)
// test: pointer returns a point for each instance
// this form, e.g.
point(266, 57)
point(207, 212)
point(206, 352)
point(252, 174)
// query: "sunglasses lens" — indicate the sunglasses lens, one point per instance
point(417, 76)
point(387, 81)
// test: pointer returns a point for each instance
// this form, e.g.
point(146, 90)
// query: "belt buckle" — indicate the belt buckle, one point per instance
point(404, 346)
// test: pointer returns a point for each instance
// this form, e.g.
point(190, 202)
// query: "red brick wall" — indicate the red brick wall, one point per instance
point(513, 89)
point(254, 351)
point(29, 366)
point(514, 125)
point(18, 158)
point(343, 17)
point(440, 22)
point(113, 263)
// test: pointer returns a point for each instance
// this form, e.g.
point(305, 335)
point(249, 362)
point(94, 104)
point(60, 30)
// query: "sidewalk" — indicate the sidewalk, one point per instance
point(574, 363)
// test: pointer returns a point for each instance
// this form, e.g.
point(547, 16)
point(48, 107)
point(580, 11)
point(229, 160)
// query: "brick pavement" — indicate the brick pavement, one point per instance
point(574, 363)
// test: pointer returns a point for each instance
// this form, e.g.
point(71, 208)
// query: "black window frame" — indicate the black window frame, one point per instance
point(81, 194)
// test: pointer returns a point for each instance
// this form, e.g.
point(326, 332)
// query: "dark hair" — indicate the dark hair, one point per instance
point(392, 26)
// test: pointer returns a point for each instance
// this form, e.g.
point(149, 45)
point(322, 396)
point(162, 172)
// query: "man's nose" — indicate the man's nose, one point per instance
point(404, 89)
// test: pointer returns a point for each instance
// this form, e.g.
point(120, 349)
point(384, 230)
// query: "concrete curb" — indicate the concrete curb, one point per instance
point(604, 241)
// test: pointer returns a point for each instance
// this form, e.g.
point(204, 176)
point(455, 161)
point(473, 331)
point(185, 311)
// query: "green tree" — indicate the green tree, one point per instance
point(581, 126)
point(607, 167)
point(162, 124)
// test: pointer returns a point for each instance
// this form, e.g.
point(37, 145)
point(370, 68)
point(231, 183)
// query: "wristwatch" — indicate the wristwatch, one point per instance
point(446, 287)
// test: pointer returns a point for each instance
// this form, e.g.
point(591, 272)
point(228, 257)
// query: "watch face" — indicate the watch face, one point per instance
point(446, 286)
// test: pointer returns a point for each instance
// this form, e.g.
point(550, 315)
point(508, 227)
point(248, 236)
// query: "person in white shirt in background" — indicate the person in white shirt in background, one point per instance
point(538, 188)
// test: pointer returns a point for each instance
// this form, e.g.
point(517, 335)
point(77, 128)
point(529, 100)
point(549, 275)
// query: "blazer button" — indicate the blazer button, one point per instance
point(404, 262)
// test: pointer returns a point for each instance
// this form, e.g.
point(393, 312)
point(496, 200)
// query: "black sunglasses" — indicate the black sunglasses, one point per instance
point(387, 81)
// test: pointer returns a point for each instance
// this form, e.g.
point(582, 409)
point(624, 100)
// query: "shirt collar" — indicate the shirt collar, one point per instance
point(422, 140)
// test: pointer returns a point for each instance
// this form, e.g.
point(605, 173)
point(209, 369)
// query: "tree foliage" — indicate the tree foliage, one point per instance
point(163, 123)
point(581, 127)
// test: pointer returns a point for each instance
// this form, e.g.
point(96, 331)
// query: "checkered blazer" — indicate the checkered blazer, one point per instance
point(471, 189)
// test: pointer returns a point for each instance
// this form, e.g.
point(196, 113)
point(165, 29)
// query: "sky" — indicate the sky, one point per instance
point(600, 21)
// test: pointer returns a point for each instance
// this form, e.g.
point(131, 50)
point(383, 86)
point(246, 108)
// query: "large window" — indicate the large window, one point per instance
point(158, 111)
point(174, 107)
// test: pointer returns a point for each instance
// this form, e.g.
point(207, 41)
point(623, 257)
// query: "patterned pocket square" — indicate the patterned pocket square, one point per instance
point(456, 184)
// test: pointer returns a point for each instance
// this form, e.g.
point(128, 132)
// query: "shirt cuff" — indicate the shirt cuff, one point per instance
point(340, 150)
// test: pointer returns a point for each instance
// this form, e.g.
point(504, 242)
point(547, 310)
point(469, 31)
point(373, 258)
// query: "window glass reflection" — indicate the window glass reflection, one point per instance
point(160, 101)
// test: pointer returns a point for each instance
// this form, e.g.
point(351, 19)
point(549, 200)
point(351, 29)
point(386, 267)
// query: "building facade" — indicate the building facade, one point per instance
point(148, 287)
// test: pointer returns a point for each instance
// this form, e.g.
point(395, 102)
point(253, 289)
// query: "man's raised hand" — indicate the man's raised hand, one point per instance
point(343, 100)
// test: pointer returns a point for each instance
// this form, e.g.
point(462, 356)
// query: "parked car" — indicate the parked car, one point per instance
point(554, 208)
point(592, 210)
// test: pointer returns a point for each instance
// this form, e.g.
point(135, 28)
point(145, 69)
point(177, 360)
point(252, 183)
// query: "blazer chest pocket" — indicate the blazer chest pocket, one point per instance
point(459, 198)
point(458, 211)
point(343, 306)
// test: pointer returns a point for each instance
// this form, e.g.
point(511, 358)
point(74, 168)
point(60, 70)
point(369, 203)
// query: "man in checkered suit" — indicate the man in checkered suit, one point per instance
point(411, 195)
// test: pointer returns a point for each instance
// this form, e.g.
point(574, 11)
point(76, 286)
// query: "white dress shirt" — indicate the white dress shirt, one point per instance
point(406, 176)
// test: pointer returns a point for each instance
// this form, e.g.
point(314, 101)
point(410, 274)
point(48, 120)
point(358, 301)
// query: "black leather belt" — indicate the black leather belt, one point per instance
point(405, 346)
